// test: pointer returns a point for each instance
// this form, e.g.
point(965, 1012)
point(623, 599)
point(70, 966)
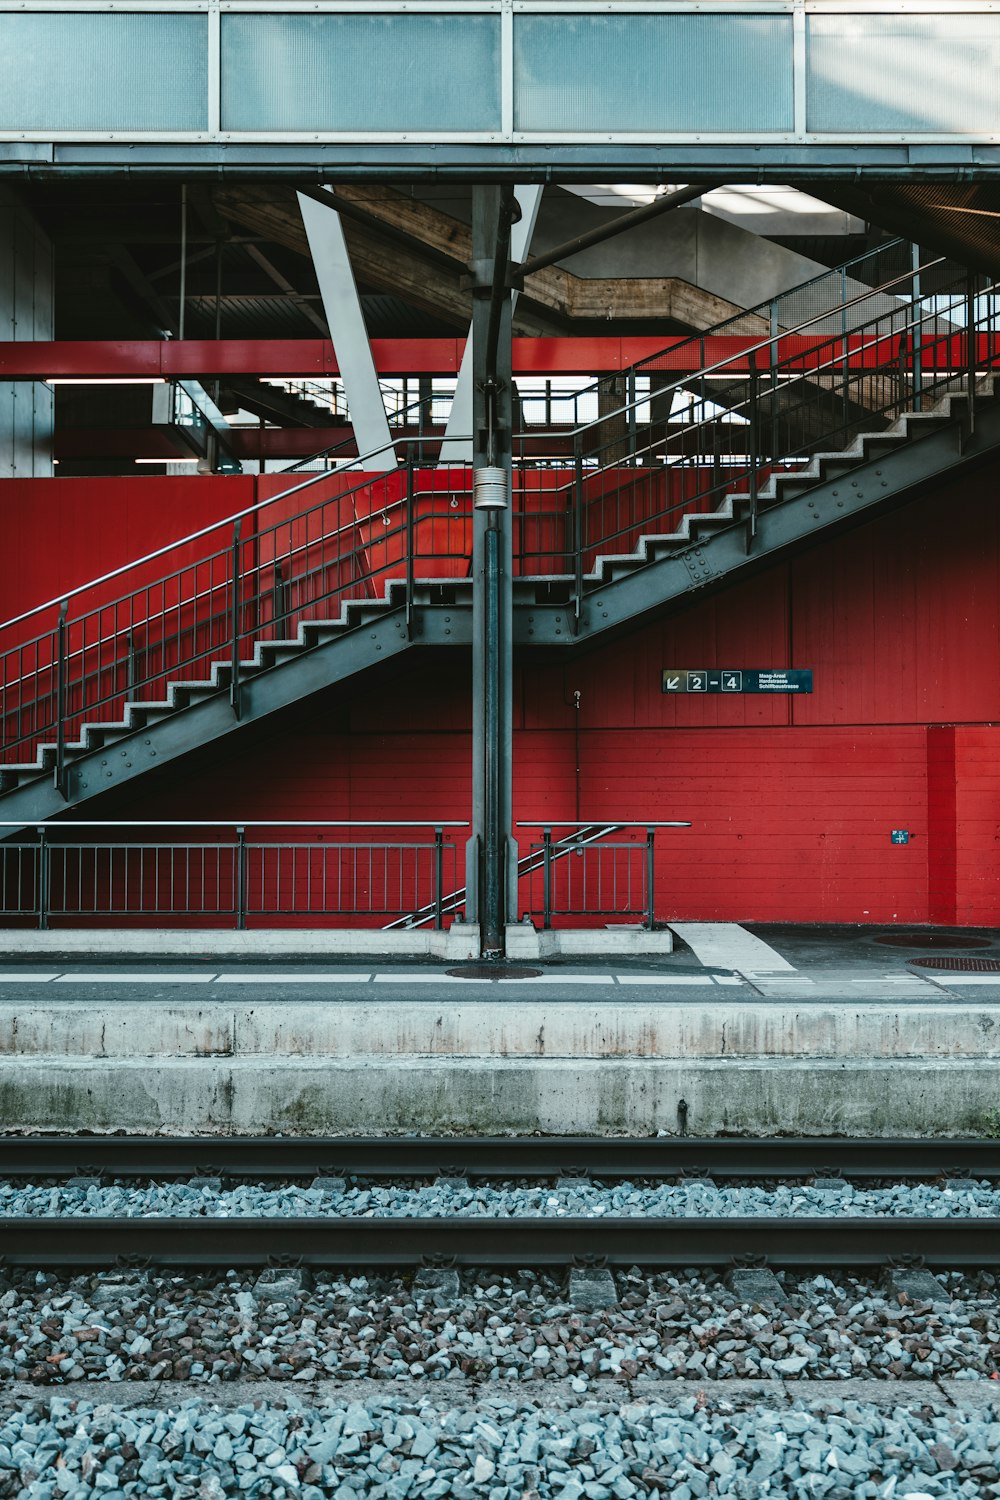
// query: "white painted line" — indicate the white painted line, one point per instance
point(135, 978)
point(727, 945)
point(728, 978)
point(26, 978)
point(564, 979)
point(913, 979)
point(421, 979)
point(665, 979)
point(293, 978)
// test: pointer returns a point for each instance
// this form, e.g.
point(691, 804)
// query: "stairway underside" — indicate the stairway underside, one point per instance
point(707, 551)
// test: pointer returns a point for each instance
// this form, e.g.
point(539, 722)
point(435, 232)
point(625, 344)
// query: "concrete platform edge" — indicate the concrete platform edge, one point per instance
point(460, 943)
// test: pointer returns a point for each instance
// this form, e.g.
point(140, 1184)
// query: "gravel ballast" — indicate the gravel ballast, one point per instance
point(497, 1450)
point(694, 1198)
point(501, 1328)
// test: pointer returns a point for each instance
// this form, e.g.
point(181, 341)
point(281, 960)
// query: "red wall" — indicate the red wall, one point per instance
point(792, 800)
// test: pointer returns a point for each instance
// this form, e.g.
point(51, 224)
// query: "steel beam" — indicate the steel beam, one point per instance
point(491, 860)
point(342, 308)
point(457, 447)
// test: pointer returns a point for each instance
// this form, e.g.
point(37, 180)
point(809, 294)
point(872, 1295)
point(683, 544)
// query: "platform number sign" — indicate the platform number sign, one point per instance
point(900, 835)
point(736, 680)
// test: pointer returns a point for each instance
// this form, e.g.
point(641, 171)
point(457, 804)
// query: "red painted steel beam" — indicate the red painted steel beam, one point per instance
point(195, 358)
point(249, 443)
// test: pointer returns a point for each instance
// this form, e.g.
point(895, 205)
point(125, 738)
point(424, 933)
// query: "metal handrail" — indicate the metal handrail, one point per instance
point(766, 343)
point(250, 510)
point(756, 311)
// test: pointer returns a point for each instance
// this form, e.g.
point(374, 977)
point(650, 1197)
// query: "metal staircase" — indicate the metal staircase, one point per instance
point(785, 439)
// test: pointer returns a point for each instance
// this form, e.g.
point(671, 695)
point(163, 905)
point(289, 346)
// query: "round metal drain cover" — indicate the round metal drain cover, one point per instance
point(958, 965)
point(492, 971)
point(951, 940)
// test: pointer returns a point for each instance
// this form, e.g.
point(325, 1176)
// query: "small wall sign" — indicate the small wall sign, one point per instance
point(900, 835)
point(736, 680)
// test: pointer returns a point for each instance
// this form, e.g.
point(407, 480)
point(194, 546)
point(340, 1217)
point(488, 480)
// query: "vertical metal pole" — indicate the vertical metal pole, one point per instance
point(183, 290)
point(916, 332)
point(234, 624)
point(59, 777)
point(241, 879)
point(630, 398)
point(650, 880)
point(44, 894)
point(131, 664)
point(409, 544)
point(754, 437)
point(491, 852)
point(438, 878)
point(547, 878)
point(970, 347)
point(577, 530)
point(773, 362)
point(278, 606)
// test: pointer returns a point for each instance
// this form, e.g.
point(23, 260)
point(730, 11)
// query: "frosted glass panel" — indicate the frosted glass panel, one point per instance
point(918, 73)
point(628, 73)
point(360, 72)
point(103, 72)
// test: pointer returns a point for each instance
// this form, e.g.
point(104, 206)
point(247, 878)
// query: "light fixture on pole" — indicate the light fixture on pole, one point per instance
point(489, 488)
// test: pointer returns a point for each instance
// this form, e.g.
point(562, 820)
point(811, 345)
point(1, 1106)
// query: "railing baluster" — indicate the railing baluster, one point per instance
point(409, 544)
point(44, 868)
point(438, 879)
point(59, 776)
point(970, 347)
point(241, 879)
point(577, 529)
point(234, 632)
point(753, 438)
point(547, 878)
point(650, 879)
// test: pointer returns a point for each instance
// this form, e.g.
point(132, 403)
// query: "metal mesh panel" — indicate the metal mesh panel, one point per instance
point(920, 73)
point(103, 72)
point(661, 72)
point(360, 72)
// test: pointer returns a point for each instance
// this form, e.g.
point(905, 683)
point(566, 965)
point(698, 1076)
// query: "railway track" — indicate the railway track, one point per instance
point(286, 1158)
point(328, 1240)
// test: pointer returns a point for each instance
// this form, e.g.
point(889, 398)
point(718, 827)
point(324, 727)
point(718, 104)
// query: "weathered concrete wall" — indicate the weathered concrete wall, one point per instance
point(474, 1066)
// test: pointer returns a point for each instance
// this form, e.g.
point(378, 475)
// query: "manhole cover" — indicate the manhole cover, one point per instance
point(958, 965)
point(492, 971)
point(950, 940)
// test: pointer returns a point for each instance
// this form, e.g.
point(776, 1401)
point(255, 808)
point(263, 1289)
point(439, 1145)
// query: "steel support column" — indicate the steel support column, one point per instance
point(491, 866)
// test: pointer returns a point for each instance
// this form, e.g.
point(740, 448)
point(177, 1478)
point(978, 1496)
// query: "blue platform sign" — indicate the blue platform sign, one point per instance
point(736, 680)
point(900, 835)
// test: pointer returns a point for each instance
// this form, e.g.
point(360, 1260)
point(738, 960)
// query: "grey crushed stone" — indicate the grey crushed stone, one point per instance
point(501, 1449)
point(448, 1198)
point(521, 1327)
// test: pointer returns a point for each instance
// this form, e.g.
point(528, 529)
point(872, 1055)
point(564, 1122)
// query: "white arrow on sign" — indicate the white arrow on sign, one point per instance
point(673, 684)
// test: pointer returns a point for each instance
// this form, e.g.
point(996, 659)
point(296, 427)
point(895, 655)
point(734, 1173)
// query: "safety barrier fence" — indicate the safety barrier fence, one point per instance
point(602, 877)
point(242, 874)
point(262, 873)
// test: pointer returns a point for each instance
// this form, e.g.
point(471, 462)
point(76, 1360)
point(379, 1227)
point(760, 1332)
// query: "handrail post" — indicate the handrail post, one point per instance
point(59, 777)
point(650, 907)
point(547, 878)
point(630, 398)
point(970, 347)
point(916, 332)
point(241, 879)
point(754, 441)
point(410, 489)
point(438, 879)
point(234, 624)
point(44, 878)
point(577, 530)
point(279, 608)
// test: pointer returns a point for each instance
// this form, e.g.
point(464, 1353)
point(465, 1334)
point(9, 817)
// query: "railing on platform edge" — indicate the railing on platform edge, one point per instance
point(224, 883)
point(544, 855)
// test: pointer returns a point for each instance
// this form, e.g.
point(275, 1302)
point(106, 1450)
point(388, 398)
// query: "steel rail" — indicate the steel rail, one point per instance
point(695, 1241)
point(278, 1158)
